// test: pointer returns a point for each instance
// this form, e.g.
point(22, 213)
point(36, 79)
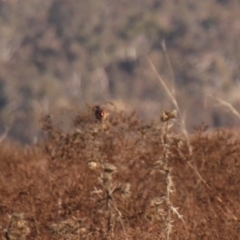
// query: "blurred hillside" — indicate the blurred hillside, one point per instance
point(56, 55)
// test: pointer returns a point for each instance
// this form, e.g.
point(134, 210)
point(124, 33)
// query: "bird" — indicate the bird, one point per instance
point(100, 114)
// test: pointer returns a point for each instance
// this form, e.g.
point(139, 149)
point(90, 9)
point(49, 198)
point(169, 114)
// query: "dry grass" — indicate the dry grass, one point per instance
point(121, 179)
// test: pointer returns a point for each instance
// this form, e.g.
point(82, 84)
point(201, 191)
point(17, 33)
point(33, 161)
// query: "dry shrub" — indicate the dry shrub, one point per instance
point(121, 179)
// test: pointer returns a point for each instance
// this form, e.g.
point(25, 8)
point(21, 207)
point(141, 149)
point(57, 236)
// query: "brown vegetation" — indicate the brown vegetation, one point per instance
point(121, 179)
point(102, 173)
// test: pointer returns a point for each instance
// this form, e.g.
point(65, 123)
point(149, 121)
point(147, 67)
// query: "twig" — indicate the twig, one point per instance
point(229, 106)
point(175, 103)
point(164, 47)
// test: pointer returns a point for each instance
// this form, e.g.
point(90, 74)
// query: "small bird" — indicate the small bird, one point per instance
point(100, 114)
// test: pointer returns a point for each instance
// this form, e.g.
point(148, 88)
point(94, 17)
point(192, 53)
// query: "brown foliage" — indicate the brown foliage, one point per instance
point(112, 180)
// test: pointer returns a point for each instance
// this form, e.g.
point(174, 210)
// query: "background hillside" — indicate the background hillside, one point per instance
point(56, 55)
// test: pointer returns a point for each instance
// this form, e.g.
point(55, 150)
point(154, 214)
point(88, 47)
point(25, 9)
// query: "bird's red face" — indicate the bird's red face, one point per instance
point(100, 114)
